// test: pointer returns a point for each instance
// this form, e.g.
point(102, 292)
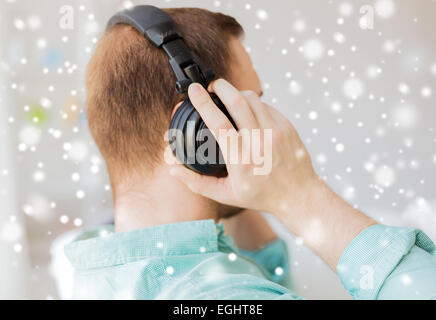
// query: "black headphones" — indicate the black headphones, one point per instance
point(188, 132)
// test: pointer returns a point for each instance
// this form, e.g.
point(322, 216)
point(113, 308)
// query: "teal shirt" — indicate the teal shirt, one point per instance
point(196, 260)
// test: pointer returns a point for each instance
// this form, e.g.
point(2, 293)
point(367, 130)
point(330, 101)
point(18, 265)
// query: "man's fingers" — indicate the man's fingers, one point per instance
point(258, 107)
point(275, 115)
point(210, 187)
point(213, 117)
point(235, 103)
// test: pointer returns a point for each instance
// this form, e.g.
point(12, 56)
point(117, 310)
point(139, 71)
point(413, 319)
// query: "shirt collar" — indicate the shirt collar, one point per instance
point(103, 248)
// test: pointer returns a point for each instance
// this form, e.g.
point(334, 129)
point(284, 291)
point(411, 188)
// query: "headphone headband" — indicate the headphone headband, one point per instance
point(158, 27)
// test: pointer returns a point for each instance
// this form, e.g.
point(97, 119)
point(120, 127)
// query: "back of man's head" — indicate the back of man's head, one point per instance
point(131, 89)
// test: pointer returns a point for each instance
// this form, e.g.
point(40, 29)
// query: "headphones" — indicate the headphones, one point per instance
point(188, 133)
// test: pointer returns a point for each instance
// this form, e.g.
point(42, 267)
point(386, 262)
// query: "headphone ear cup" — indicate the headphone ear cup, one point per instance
point(188, 135)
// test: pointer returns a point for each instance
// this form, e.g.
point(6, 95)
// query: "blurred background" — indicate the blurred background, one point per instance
point(357, 79)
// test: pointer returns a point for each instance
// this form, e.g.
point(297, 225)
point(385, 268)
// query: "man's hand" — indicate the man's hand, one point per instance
point(291, 190)
point(291, 165)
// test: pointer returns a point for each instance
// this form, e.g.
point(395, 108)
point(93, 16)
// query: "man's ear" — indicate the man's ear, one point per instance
point(175, 108)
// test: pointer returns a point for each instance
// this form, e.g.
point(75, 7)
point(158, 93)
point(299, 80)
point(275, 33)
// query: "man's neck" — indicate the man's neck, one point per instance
point(158, 200)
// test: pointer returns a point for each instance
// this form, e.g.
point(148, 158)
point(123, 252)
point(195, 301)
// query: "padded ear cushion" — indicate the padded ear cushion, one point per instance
point(188, 135)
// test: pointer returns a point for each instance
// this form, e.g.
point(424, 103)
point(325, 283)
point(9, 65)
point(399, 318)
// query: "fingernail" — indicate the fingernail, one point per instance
point(211, 86)
point(195, 89)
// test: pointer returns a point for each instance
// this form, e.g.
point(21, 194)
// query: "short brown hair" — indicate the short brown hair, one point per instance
point(131, 88)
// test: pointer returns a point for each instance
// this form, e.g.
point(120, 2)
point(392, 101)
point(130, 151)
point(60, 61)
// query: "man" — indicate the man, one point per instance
point(191, 258)
point(130, 100)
